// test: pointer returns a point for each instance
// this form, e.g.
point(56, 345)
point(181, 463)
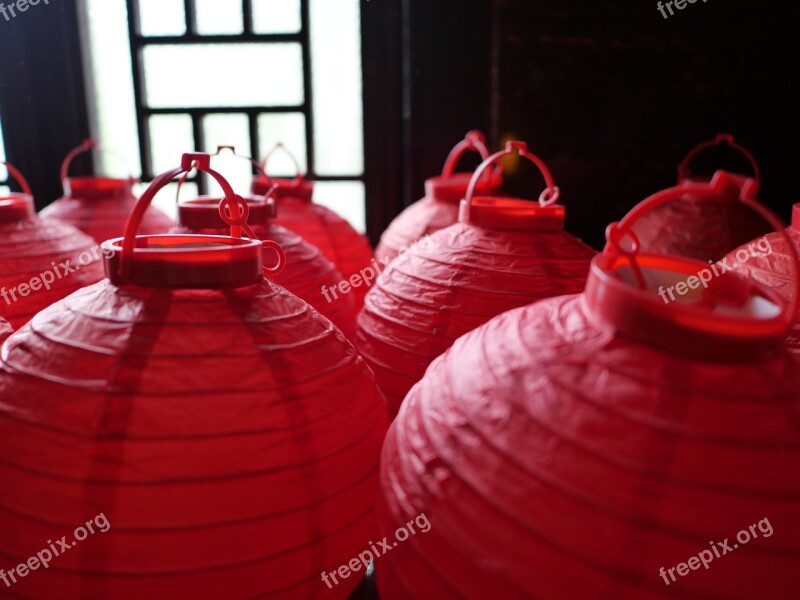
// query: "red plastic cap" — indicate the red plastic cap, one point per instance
point(204, 212)
point(727, 318)
point(187, 261)
point(16, 207)
point(453, 189)
point(729, 187)
point(512, 214)
point(299, 188)
point(98, 188)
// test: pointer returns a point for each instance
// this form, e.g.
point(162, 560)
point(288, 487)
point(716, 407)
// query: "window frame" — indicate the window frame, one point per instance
point(138, 42)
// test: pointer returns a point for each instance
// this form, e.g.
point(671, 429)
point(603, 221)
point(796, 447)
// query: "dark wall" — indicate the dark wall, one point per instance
point(448, 81)
point(427, 81)
point(612, 96)
point(42, 97)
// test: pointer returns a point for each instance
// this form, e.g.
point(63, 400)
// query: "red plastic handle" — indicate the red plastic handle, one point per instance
point(616, 232)
point(19, 177)
point(232, 149)
point(189, 161)
point(299, 178)
point(88, 146)
point(474, 141)
point(549, 196)
point(722, 138)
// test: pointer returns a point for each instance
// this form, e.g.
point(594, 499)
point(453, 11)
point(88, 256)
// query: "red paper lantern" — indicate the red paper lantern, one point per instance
point(335, 237)
point(229, 435)
point(99, 206)
point(708, 224)
point(575, 447)
point(768, 260)
point(439, 208)
point(41, 261)
point(307, 271)
point(504, 253)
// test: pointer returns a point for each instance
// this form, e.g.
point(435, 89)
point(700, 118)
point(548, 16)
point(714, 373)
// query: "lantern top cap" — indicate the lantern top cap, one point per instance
point(647, 296)
point(513, 213)
point(15, 206)
point(186, 261)
point(296, 188)
point(98, 188)
point(688, 307)
point(720, 139)
point(69, 183)
point(190, 261)
point(451, 187)
point(284, 189)
point(208, 212)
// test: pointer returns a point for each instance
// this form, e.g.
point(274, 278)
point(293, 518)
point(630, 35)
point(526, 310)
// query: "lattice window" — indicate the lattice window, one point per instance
point(172, 75)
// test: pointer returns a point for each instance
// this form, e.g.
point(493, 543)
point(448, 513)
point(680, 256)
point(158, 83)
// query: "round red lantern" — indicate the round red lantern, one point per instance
point(307, 271)
point(41, 261)
point(439, 208)
point(768, 260)
point(593, 445)
point(99, 206)
point(228, 435)
point(705, 226)
point(504, 253)
point(335, 237)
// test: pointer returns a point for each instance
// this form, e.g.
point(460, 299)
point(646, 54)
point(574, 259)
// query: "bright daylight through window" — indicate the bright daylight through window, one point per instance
point(289, 72)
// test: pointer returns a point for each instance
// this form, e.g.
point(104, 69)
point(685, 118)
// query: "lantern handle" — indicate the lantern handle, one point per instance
point(548, 197)
point(190, 161)
point(19, 177)
point(721, 138)
point(475, 141)
point(616, 232)
point(299, 178)
point(232, 149)
point(88, 146)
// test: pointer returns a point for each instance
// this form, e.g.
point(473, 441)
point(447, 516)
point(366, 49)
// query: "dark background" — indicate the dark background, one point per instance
point(609, 93)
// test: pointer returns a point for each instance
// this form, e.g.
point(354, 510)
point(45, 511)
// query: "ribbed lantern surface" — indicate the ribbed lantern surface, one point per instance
point(5, 330)
point(440, 206)
point(768, 260)
point(307, 270)
point(705, 225)
point(228, 432)
point(583, 446)
point(341, 244)
point(41, 261)
point(99, 206)
point(505, 253)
